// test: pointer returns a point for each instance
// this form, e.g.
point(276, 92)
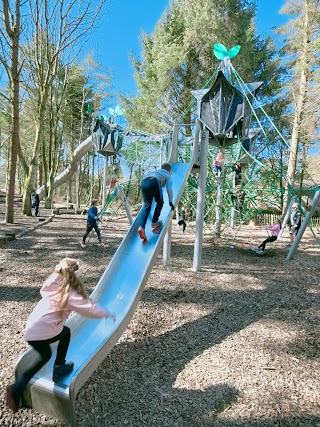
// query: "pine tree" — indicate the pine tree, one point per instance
point(178, 57)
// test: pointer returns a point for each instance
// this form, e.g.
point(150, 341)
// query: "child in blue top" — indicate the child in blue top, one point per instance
point(92, 222)
point(151, 188)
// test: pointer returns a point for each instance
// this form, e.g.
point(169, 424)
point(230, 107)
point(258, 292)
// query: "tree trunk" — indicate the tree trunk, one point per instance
point(14, 35)
point(9, 214)
point(33, 170)
point(303, 169)
point(294, 145)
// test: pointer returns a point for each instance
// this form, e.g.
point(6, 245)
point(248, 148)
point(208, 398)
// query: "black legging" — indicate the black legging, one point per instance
point(151, 189)
point(43, 348)
point(89, 228)
point(268, 240)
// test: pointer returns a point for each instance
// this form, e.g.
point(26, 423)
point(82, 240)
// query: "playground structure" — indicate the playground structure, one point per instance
point(119, 288)
point(233, 198)
point(235, 130)
point(122, 283)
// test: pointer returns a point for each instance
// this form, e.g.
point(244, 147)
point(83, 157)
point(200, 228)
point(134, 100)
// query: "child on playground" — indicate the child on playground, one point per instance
point(236, 168)
point(62, 293)
point(217, 164)
point(92, 223)
point(151, 188)
point(275, 231)
point(294, 221)
point(182, 221)
point(35, 201)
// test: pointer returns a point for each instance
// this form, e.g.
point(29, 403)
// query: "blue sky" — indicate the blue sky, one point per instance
point(121, 29)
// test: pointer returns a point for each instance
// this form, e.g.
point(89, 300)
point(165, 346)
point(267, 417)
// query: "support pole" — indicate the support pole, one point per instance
point(304, 225)
point(167, 247)
point(286, 219)
point(174, 145)
point(77, 204)
point(68, 195)
point(220, 184)
point(125, 202)
point(218, 206)
point(172, 159)
point(161, 150)
point(233, 210)
point(104, 187)
point(201, 201)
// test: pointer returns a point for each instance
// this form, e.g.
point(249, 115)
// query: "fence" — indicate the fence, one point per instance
point(261, 219)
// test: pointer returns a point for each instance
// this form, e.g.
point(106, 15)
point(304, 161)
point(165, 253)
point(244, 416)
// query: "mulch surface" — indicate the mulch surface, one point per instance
point(236, 344)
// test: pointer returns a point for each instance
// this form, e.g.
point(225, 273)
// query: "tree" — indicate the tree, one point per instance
point(301, 47)
point(9, 58)
point(57, 31)
point(178, 57)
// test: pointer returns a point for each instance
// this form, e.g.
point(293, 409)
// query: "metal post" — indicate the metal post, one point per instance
point(218, 206)
point(285, 219)
point(220, 181)
point(177, 215)
point(233, 211)
point(174, 145)
point(172, 159)
point(161, 150)
point(304, 225)
point(104, 187)
point(201, 201)
point(125, 202)
point(77, 204)
point(167, 247)
point(68, 195)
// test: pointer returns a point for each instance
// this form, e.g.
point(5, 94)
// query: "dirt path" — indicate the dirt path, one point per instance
point(234, 345)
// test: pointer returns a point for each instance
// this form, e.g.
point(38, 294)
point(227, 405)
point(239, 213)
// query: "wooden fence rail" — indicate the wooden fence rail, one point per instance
point(261, 219)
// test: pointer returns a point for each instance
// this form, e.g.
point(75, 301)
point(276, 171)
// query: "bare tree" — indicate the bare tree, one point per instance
point(9, 58)
point(301, 47)
point(58, 29)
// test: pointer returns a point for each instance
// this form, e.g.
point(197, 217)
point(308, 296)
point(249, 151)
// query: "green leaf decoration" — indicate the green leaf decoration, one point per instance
point(117, 111)
point(233, 51)
point(220, 51)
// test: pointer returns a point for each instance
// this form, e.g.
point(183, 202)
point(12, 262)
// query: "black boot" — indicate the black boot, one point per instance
point(61, 371)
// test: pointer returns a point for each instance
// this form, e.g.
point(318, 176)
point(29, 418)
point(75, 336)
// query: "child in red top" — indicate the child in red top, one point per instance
point(275, 230)
point(62, 293)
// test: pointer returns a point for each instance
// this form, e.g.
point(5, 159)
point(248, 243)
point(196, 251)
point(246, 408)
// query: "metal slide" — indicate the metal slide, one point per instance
point(65, 175)
point(119, 290)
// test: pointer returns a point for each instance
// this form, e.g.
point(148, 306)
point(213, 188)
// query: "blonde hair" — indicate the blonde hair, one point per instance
point(67, 268)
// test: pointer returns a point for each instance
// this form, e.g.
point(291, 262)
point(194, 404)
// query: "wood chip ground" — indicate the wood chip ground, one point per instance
point(236, 344)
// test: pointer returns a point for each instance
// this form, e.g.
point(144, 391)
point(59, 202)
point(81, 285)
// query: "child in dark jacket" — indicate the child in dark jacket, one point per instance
point(35, 200)
point(294, 221)
point(151, 188)
point(92, 222)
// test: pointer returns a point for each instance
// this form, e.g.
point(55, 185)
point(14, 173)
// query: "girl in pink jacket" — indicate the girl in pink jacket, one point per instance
point(62, 293)
point(275, 230)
